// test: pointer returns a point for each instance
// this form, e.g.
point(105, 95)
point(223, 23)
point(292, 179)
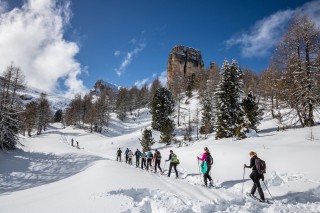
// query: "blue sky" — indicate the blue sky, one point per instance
point(128, 42)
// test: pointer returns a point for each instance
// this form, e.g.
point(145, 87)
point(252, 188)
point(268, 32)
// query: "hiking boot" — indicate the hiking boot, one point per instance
point(210, 183)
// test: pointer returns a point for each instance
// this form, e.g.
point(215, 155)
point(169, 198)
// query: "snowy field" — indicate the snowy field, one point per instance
point(47, 174)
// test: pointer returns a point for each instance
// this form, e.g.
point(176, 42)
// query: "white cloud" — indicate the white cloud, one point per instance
point(141, 83)
point(129, 56)
point(117, 53)
point(312, 10)
point(32, 38)
point(263, 36)
point(163, 78)
point(266, 33)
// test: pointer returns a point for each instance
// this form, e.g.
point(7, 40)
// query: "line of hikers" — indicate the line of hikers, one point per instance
point(148, 158)
point(258, 166)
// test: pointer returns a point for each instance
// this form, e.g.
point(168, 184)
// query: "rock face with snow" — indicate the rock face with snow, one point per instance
point(100, 85)
point(183, 62)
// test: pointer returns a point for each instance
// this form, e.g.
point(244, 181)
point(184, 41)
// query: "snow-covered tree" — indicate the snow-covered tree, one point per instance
point(166, 131)
point(229, 113)
point(252, 111)
point(44, 113)
point(207, 119)
point(162, 107)
point(299, 54)
point(146, 141)
point(11, 81)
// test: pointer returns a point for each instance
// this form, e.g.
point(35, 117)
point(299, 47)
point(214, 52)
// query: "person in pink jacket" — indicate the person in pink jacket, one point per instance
point(206, 156)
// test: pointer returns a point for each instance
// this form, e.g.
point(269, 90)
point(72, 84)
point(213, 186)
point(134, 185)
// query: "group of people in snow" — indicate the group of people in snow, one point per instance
point(149, 160)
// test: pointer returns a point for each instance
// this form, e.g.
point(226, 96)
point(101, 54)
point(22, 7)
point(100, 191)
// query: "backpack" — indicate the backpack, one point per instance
point(158, 157)
point(174, 159)
point(138, 153)
point(209, 159)
point(261, 166)
point(149, 154)
point(204, 167)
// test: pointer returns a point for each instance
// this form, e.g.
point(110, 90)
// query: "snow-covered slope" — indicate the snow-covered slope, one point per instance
point(47, 174)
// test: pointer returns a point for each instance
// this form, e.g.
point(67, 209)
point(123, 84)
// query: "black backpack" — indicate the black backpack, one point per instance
point(209, 159)
point(158, 157)
point(261, 166)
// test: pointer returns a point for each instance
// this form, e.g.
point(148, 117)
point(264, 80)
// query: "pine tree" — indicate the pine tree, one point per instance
point(207, 120)
point(58, 116)
point(166, 131)
point(162, 107)
point(252, 111)
point(229, 115)
point(146, 141)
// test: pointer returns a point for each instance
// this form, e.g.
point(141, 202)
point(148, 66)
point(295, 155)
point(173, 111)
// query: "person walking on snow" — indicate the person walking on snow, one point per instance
point(138, 155)
point(126, 153)
point(119, 154)
point(255, 176)
point(157, 160)
point(143, 159)
point(149, 159)
point(130, 155)
point(206, 156)
point(173, 163)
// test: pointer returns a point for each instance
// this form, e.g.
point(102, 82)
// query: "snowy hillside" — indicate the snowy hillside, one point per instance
point(47, 174)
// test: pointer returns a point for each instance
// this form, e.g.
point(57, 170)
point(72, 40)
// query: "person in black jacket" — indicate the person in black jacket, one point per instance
point(173, 163)
point(255, 176)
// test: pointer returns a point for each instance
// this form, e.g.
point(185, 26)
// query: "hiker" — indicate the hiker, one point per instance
point(157, 160)
point(72, 142)
point(126, 153)
point(206, 157)
point(130, 155)
point(138, 155)
point(149, 159)
point(78, 145)
point(255, 176)
point(173, 163)
point(119, 154)
point(143, 160)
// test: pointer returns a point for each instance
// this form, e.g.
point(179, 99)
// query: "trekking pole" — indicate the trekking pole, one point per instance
point(164, 167)
point(268, 190)
point(244, 170)
point(199, 171)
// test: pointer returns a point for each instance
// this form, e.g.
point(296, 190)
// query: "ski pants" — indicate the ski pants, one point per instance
point(118, 157)
point(207, 176)
point(143, 163)
point(127, 158)
point(149, 163)
point(255, 177)
point(174, 165)
point(137, 161)
point(130, 161)
point(157, 164)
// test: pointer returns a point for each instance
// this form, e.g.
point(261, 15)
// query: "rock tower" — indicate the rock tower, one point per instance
point(183, 62)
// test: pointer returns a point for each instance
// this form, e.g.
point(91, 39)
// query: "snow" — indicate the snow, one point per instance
point(47, 174)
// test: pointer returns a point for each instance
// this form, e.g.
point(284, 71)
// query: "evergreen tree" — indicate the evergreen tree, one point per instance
point(58, 116)
point(252, 111)
point(162, 107)
point(207, 121)
point(147, 141)
point(230, 115)
point(166, 131)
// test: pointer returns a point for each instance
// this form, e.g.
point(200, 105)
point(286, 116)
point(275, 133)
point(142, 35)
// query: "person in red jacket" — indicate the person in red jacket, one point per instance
point(206, 156)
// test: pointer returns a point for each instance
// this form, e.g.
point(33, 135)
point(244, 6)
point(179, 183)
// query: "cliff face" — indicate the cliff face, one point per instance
point(183, 62)
point(100, 85)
